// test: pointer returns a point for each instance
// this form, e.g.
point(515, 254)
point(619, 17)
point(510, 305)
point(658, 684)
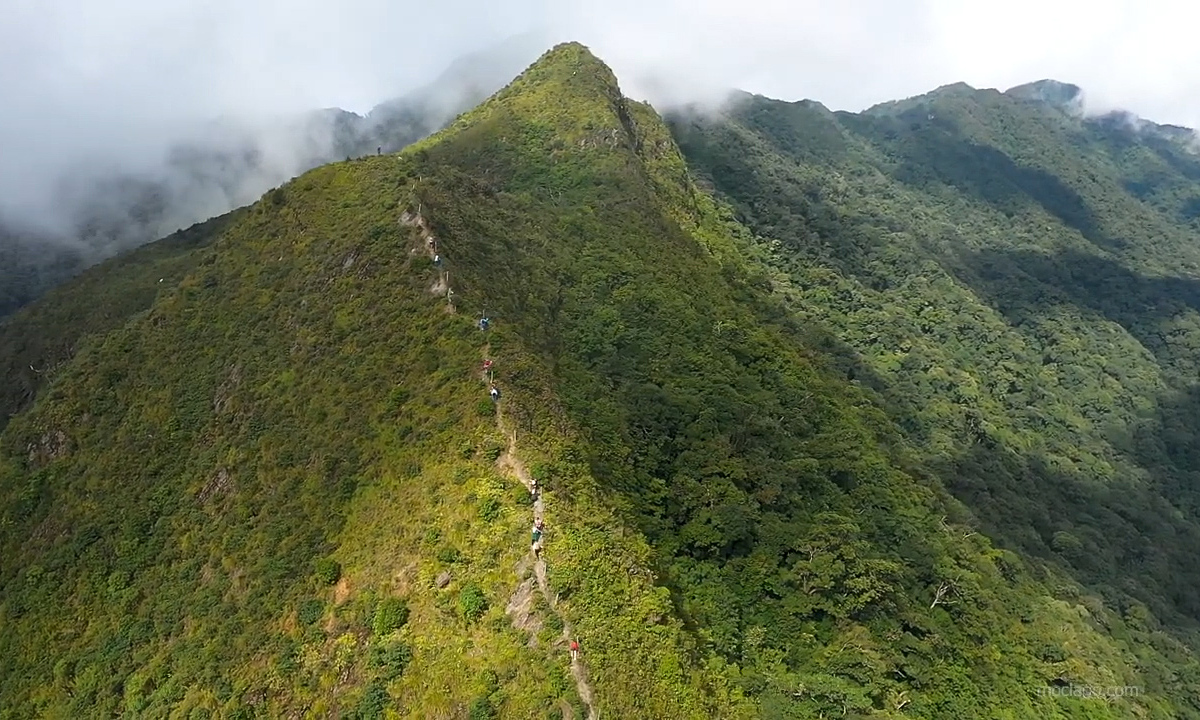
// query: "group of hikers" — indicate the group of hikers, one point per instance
point(539, 527)
point(494, 392)
point(487, 366)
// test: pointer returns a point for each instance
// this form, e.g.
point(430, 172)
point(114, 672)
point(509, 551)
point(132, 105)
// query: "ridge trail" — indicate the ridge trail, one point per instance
point(510, 464)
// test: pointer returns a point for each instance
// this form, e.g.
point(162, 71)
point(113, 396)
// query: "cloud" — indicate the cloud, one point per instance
point(1138, 56)
point(89, 86)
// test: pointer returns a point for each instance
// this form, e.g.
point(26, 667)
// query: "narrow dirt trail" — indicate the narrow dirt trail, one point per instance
point(429, 243)
point(520, 605)
point(510, 464)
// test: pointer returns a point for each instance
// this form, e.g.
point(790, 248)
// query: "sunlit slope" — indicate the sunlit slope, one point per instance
point(784, 511)
point(284, 490)
point(175, 501)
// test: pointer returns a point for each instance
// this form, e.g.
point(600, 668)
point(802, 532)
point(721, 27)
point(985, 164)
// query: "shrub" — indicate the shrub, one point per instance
point(328, 571)
point(481, 709)
point(489, 509)
point(310, 611)
point(492, 447)
point(391, 613)
point(373, 701)
point(472, 602)
point(391, 658)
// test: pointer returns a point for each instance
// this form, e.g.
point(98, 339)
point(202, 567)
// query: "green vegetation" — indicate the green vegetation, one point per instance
point(227, 492)
point(37, 341)
point(1012, 283)
point(275, 489)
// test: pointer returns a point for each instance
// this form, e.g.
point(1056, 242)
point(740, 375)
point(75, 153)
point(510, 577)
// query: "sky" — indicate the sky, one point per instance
point(115, 82)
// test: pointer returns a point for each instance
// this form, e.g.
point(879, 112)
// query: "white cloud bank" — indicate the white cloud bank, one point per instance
point(114, 82)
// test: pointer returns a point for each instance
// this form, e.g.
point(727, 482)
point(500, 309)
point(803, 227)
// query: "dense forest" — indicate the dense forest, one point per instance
point(866, 416)
point(1020, 284)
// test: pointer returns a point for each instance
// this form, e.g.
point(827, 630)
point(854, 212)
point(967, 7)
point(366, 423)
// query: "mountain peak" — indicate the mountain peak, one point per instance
point(1063, 96)
point(943, 92)
point(570, 68)
point(567, 100)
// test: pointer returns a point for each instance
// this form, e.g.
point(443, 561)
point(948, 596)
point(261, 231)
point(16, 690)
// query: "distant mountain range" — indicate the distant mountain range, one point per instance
point(228, 164)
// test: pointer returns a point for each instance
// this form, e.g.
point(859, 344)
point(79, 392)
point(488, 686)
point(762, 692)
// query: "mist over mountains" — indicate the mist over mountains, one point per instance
point(827, 413)
point(98, 209)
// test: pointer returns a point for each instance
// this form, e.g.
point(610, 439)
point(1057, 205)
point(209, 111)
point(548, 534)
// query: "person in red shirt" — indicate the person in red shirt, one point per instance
point(574, 651)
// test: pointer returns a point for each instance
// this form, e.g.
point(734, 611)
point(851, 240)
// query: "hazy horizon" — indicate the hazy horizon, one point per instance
point(100, 91)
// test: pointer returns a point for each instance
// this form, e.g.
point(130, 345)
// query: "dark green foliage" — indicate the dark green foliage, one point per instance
point(390, 658)
point(374, 701)
point(328, 571)
point(396, 399)
point(489, 509)
point(481, 709)
point(310, 611)
point(492, 447)
point(390, 614)
point(985, 266)
point(472, 603)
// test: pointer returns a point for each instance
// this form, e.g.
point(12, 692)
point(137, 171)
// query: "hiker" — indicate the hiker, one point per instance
point(495, 393)
point(379, 150)
point(483, 323)
point(537, 538)
point(533, 488)
point(487, 365)
point(574, 650)
point(437, 260)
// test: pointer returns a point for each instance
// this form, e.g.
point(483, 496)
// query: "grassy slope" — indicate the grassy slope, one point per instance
point(726, 517)
point(301, 394)
point(1005, 292)
point(38, 340)
point(301, 381)
point(789, 539)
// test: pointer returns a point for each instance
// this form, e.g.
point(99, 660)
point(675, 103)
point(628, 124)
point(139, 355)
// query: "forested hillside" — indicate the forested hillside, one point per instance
point(38, 341)
point(218, 166)
point(276, 486)
point(1021, 284)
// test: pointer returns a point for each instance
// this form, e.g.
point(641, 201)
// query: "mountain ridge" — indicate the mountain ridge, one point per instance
point(225, 164)
point(138, 210)
point(253, 481)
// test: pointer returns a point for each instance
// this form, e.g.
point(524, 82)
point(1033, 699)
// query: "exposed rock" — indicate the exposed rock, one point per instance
point(520, 609)
point(51, 446)
point(218, 485)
